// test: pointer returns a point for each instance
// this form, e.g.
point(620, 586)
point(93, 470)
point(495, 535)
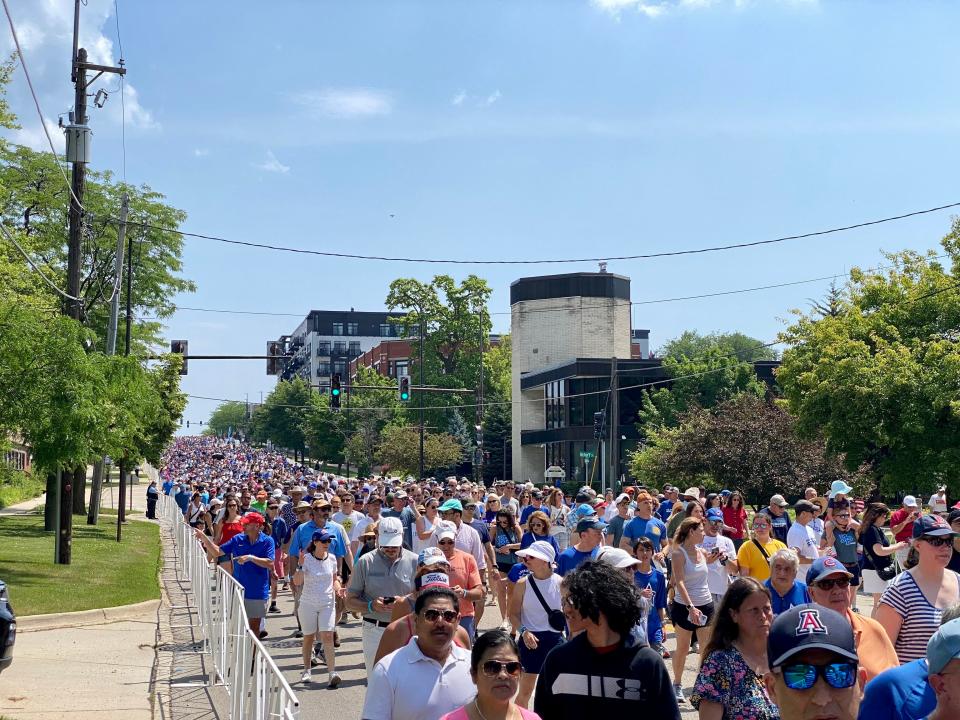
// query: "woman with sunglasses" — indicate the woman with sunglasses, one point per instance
point(426, 521)
point(559, 511)
point(491, 509)
point(730, 683)
point(506, 538)
point(735, 518)
point(538, 528)
point(911, 606)
point(228, 523)
point(495, 669)
point(877, 550)
point(320, 587)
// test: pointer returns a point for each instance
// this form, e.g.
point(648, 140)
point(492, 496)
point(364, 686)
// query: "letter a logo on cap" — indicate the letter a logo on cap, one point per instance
point(810, 623)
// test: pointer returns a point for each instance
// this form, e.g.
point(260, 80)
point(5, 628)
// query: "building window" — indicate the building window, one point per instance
point(354, 348)
point(339, 348)
point(338, 328)
point(323, 369)
point(323, 347)
point(353, 329)
point(386, 330)
point(555, 405)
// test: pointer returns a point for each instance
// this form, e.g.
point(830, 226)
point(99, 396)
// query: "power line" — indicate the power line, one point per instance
point(36, 102)
point(544, 261)
point(123, 104)
point(26, 255)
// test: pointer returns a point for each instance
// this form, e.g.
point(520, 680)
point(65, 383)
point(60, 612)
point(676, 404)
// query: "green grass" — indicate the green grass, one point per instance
point(16, 487)
point(103, 573)
point(113, 511)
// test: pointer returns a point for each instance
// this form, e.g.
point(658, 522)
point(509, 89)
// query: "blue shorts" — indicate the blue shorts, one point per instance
point(532, 660)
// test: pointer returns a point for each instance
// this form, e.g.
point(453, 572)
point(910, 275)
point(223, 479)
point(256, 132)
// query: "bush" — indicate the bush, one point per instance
point(16, 486)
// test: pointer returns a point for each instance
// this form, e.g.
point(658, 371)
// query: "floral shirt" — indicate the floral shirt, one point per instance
point(726, 679)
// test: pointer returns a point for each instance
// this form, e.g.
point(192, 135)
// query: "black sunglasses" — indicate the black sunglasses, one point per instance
point(938, 541)
point(492, 668)
point(432, 615)
point(325, 542)
point(830, 583)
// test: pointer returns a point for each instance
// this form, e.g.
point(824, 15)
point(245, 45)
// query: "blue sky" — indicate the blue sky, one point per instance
point(509, 130)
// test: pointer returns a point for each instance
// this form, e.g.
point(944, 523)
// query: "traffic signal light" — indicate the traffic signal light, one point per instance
point(335, 390)
point(274, 349)
point(479, 435)
point(405, 389)
point(598, 424)
point(179, 347)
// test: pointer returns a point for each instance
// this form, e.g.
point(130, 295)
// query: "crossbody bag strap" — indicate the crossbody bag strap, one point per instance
point(762, 550)
point(531, 581)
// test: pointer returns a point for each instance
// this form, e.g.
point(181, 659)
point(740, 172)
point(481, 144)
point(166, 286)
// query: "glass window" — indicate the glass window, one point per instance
point(338, 328)
point(323, 368)
point(339, 348)
point(354, 348)
point(352, 328)
point(323, 347)
point(340, 368)
point(386, 330)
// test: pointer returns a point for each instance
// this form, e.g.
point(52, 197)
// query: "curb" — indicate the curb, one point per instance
point(98, 616)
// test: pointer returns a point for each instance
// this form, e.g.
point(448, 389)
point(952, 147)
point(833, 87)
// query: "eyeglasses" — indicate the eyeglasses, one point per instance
point(844, 515)
point(802, 676)
point(937, 541)
point(432, 615)
point(445, 542)
point(492, 668)
point(830, 583)
point(325, 542)
point(536, 525)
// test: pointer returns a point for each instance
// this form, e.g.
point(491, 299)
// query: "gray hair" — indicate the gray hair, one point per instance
point(787, 555)
point(951, 613)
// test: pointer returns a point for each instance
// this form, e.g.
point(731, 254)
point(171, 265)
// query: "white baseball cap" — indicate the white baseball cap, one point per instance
point(540, 549)
point(909, 501)
point(616, 557)
point(445, 531)
point(390, 532)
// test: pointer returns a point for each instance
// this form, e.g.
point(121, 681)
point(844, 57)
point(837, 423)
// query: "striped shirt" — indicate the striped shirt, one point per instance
point(920, 618)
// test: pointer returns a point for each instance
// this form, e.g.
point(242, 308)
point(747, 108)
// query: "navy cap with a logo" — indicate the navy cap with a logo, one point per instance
point(931, 525)
point(809, 627)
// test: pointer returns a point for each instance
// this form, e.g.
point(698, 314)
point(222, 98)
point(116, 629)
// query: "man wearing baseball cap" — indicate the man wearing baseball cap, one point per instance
point(590, 530)
point(779, 520)
point(253, 553)
point(814, 668)
point(901, 525)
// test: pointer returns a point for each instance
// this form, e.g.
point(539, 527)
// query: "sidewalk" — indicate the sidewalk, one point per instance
point(133, 663)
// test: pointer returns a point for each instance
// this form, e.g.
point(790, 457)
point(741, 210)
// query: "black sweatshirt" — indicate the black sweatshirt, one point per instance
point(577, 682)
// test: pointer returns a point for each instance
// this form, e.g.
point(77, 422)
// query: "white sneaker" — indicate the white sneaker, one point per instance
point(506, 626)
point(678, 691)
point(334, 680)
point(305, 677)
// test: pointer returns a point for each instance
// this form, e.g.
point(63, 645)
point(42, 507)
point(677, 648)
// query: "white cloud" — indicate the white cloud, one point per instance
point(493, 97)
point(346, 102)
point(271, 164)
point(658, 8)
point(201, 152)
point(459, 98)
point(31, 135)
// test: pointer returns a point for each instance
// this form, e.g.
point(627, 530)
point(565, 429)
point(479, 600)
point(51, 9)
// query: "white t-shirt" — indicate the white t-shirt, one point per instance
point(407, 685)
point(717, 576)
point(803, 539)
point(350, 522)
point(937, 503)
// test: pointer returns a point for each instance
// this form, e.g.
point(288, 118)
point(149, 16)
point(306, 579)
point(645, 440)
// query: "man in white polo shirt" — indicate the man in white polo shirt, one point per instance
point(801, 537)
point(429, 676)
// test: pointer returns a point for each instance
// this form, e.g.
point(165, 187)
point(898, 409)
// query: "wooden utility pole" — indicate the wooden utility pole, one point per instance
point(79, 135)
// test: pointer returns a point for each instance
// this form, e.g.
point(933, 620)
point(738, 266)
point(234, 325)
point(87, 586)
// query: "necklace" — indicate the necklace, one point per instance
point(510, 714)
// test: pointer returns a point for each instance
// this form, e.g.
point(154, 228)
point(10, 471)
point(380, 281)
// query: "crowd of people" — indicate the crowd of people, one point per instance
point(589, 589)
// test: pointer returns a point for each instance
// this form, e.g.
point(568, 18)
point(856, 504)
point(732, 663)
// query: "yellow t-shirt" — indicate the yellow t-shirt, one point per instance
point(752, 559)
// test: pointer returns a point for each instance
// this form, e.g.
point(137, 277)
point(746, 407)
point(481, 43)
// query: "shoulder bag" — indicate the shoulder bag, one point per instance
point(555, 617)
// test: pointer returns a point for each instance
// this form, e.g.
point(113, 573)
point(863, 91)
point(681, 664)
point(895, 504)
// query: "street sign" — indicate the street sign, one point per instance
point(586, 454)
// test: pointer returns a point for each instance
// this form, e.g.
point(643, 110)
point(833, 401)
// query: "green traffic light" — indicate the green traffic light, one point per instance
point(404, 396)
point(335, 391)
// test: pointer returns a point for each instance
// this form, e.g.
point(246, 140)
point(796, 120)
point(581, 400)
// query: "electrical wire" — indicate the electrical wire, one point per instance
point(36, 102)
point(546, 261)
point(36, 268)
point(123, 104)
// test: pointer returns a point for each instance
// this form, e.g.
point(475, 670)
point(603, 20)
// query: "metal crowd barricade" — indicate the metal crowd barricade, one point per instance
point(257, 688)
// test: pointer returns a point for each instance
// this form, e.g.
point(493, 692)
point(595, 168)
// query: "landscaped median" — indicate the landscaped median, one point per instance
point(104, 573)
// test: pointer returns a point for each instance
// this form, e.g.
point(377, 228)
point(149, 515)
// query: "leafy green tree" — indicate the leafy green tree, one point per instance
point(400, 450)
point(228, 416)
point(745, 443)
point(881, 379)
point(282, 416)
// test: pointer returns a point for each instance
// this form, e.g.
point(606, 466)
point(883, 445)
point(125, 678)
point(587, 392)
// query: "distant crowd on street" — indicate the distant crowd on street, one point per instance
point(601, 598)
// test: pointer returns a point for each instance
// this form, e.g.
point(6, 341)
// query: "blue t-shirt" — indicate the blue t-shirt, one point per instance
point(529, 537)
point(663, 511)
point(658, 583)
point(280, 533)
point(482, 529)
point(779, 525)
point(652, 529)
point(516, 572)
point(527, 512)
point(900, 693)
point(303, 535)
point(254, 579)
point(570, 558)
point(167, 487)
point(797, 595)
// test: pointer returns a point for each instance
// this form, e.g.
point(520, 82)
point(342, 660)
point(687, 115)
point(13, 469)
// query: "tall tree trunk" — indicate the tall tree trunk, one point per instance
point(80, 490)
point(50, 509)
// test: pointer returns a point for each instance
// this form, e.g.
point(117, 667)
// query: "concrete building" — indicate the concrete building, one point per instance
point(553, 319)
point(327, 340)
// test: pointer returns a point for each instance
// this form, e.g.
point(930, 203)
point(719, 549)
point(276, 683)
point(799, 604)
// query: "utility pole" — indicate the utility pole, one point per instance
point(420, 394)
point(480, 447)
point(94, 509)
point(78, 147)
point(614, 425)
point(121, 505)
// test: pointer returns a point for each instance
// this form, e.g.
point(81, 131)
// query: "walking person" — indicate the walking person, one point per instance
point(753, 557)
point(536, 614)
point(878, 567)
point(840, 541)
point(735, 519)
point(320, 586)
point(153, 494)
point(506, 541)
point(911, 606)
point(692, 605)
point(652, 584)
point(495, 668)
point(730, 685)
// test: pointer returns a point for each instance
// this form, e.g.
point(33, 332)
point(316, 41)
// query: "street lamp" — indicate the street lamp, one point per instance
point(505, 441)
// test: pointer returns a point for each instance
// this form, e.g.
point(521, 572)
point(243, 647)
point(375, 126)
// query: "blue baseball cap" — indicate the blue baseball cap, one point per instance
point(715, 514)
point(590, 523)
point(931, 525)
point(825, 567)
point(944, 646)
point(451, 504)
point(809, 627)
point(321, 536)
point(584, 510)
point(725, 493)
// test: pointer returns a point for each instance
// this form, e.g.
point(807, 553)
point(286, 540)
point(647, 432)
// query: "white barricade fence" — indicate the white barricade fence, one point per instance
point(257, 688)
